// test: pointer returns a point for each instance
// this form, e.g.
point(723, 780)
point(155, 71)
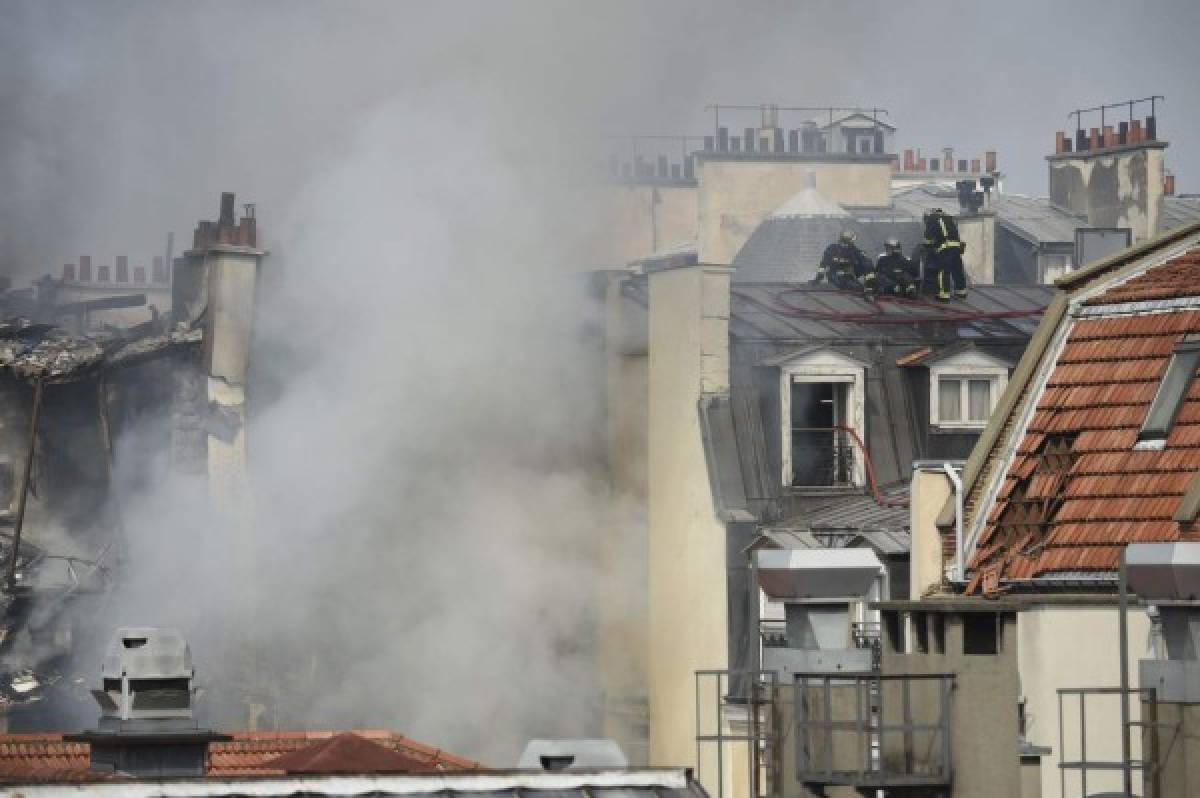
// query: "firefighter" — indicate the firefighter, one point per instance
point(897, 275)
point(946, 249)
point(844, 264)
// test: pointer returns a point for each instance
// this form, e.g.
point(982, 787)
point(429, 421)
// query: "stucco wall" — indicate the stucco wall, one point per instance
point(929, 492)
point(1076, 646)
point(735, 196)
point(1121, 188)
point(644, 219)
point(622, 632)
point(983, 706)
point(978, 232)
point(688, 355)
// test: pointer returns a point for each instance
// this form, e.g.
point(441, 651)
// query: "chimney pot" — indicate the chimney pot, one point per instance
point(1169, 185)
point(1135, 132)
point(139, 274)
point(722, 139)
point(1094, 139)
point(85, 268)
point(226, 219)
point(989, 159)
point(1060, 142)
point(748, 136)
point(1122, 134)
point(909, 161)
point(974, 166)
point(1151, 129)
point(104, 272)
point(69, 272)
point(709, 143)
point(793, 141)
point(1110, 138)
point(122, 268)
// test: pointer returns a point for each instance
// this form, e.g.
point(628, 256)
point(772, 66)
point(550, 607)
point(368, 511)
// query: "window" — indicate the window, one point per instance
point(979, 634)
point(965, 401)
point(1172, 390)
point(964, 387)
point(822, 419)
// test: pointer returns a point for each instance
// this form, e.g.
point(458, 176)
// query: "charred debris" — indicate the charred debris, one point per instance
point(72, 385)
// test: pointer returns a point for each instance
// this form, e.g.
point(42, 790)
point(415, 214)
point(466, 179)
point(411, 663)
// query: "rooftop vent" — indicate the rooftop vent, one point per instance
point(146, 727)
point(558, 755)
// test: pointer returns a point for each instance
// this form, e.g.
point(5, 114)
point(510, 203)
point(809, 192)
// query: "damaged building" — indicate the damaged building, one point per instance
point(67, 394)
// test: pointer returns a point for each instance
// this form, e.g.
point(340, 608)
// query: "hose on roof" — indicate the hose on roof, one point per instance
point(780, 304)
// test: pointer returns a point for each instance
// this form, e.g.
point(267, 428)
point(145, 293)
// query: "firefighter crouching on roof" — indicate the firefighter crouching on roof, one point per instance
point(895, 274)
point(946, 249)
point(844, 263)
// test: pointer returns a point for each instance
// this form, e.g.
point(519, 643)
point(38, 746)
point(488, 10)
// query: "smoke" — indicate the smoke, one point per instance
point(427, 512)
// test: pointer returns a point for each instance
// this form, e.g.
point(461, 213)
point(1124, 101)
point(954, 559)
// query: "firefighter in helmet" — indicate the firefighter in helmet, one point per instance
point(844, 264)
point(946, 250)
point(897, 275)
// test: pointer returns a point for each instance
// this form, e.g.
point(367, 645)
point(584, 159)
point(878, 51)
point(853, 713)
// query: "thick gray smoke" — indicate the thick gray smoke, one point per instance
point(427, 508)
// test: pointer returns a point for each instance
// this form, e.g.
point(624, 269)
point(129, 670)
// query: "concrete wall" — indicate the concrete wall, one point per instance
point(736, 195)
point(929, 492)
point(644, 219)
point(622, 632)
point(984, 728)
point(978, 232)
point(1075, 645)
point(1177, 753)
point(688, 356)
point(1118, 187)
point(158, 295)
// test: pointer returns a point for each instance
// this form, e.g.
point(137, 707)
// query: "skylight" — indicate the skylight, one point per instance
point(1172, 390)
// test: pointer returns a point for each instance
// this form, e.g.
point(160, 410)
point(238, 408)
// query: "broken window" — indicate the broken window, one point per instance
point(822, 449)
point(1172, 390)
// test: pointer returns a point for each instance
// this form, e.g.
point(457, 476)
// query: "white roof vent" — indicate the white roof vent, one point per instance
point(572, 755)
point(147, 674)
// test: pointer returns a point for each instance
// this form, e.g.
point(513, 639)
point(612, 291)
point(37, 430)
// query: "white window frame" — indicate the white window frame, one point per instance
point(965, 366)
point(822, 366)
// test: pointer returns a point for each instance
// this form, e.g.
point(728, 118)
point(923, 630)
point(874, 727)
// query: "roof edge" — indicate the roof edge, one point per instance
point(1072, 281)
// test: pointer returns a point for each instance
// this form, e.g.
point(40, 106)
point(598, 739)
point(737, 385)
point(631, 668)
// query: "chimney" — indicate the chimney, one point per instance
point(85, 268)
point(793, 141)
point(974, 166)
point(1169, 185)
point(69, 272)
point(226, 219)
point(921, 165)
point(722, 139)
point(146, 727)
point(104, 272)
point(1151, 129)
point(910, 161)
point(1060, 142)
point(989, 160)
point(948, 159)
point(122, 268)
point(139, 274)
point(1115, 178)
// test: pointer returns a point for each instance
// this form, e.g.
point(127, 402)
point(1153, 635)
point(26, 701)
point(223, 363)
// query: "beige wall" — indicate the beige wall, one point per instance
point(623, 627)
point(1123, 188)
point(929, 492)
point(978, 232)
point(1076, 646)
point(644, 219)
point(688, 356)
point(735, 196)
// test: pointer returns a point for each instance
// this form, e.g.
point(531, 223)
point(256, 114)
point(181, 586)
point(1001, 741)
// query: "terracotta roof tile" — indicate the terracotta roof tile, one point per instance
point(1077, 490)
point(48, 757)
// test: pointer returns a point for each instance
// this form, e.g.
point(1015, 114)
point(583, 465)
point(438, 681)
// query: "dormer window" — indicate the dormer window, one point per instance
point(1171, 392)
point(964, 387)
point(822, 419)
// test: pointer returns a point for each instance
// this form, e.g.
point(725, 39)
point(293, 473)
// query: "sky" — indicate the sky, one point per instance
point(429, 517)
point(112, 106)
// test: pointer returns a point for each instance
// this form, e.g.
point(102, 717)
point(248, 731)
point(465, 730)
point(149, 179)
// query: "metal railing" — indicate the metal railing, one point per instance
point(822, 457)
point(1145, 764)
point(740, 713)
point(909, 752)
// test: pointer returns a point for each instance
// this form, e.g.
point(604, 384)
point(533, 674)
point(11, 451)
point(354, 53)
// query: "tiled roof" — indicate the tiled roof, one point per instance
point(349, 753)
point(1174, 279)
point(1076, 490)
point(47, 757)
